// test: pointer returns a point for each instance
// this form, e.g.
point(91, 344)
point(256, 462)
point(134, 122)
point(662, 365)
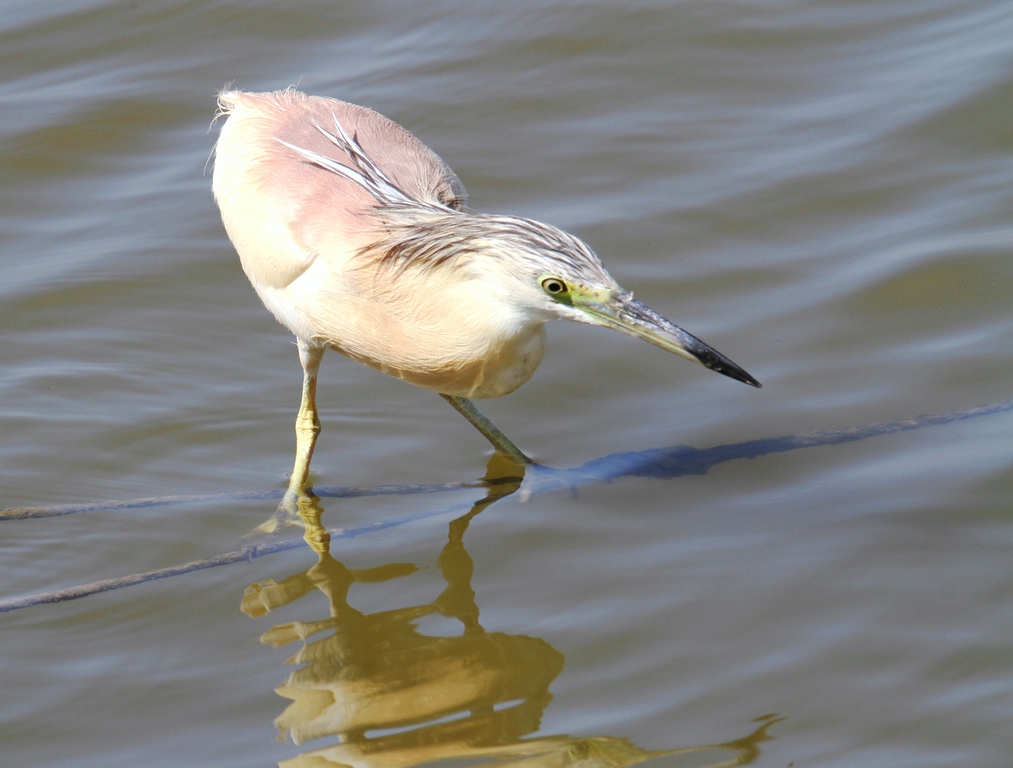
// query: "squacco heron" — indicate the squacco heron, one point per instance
point(356, 236)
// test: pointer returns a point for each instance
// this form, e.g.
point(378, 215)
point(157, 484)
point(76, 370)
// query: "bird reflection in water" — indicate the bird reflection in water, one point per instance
point(393, 696)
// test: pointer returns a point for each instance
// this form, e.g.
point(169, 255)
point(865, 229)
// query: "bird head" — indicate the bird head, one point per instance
point(554, 274)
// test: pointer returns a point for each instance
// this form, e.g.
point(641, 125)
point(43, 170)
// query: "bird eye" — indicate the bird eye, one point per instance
point(553, 286)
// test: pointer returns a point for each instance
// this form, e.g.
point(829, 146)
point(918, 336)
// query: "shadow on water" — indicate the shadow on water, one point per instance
point(385, 693)
point(662, 463)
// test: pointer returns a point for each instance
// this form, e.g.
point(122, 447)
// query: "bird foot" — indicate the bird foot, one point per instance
point(529, 477)
point(297, 509)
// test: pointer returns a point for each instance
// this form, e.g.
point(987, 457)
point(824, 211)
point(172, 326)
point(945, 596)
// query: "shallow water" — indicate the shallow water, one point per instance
point(822, 192)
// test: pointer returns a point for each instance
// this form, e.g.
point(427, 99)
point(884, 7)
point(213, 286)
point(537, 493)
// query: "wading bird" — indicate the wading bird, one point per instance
point(356, 236)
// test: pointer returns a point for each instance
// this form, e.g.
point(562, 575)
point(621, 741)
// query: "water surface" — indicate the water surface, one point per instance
point(821, 191)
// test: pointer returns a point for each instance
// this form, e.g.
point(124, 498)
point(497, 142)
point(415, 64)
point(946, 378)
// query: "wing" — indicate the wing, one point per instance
point(284, 207)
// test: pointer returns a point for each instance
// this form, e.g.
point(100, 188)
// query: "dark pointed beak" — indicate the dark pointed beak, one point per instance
point(627, 315)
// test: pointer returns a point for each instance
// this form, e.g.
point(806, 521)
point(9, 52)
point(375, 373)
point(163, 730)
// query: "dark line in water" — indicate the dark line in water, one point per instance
point(665, 463)
point(685, 460)
point(226, 558)
point(33, 513)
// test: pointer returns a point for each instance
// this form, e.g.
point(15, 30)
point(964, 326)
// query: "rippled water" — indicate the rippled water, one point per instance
point(821, 191)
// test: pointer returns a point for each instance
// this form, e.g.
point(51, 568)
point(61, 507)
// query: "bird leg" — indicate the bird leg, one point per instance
point(307, 423)
point(489, 430)
point(540, 478)
point(307, 427)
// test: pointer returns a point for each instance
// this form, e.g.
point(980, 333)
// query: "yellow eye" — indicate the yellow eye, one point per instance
point(554, 286)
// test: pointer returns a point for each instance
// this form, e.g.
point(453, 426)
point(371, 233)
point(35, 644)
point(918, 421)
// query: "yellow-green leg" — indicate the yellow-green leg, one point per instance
point(307, 427)
point(489, 430)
